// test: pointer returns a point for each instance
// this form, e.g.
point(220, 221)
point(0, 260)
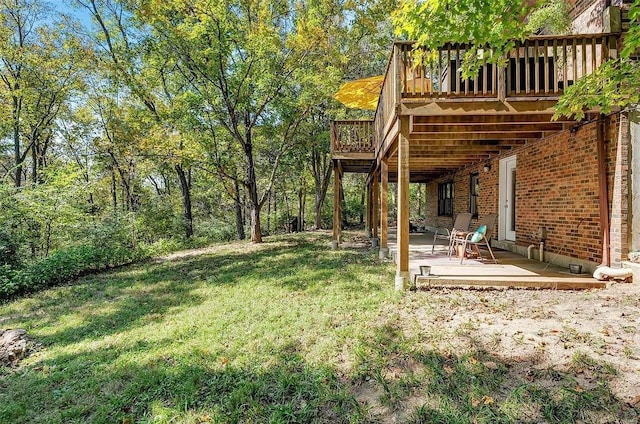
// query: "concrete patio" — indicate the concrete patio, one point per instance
point(512, 270)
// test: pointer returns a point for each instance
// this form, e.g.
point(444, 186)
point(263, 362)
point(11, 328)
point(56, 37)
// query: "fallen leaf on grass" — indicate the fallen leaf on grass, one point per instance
point(635, 401)
point(491, 365)
point(486, 400)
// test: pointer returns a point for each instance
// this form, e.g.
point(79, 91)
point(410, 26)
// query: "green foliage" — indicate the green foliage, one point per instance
point(616, 83)
point(549, 17)
point(433, 23)
point(8, 249)
point(64, 266)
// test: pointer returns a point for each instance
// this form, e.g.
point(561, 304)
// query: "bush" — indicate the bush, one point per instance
point(217, 231)
point(8, 250)
point(63, 266)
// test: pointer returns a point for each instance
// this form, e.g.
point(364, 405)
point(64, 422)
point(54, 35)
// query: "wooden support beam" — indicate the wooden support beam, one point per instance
point(402, 269)
point(463, 143)
point(337, 204)
point(489, 127)
point(384, 209)
point(477, 136)
point(541, 118)
point(369, 213)
point(376, 203)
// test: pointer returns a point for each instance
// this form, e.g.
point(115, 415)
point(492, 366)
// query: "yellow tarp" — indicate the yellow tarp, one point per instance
point(360, 94)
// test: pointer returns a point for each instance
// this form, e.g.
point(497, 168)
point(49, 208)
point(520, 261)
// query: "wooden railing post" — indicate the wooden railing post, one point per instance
point(502, 86)
point(334, 137)
point(397, 77)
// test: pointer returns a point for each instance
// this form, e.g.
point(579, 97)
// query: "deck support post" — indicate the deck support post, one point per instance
point(402, 269)
point(384, 209)
point(367, 224)
point(337, 205)
point(375, 210)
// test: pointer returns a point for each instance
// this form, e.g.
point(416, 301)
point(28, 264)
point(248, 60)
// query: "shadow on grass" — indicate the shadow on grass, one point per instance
point(423, 385)
point(137, 379)
point(124, 299)
point(197, 388)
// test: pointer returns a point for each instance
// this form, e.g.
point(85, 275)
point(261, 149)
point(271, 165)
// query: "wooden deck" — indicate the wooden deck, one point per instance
point(512, 270)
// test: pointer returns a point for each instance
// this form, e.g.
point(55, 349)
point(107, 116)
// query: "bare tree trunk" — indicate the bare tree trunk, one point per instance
point(238, 208)
point(269, 213)
point(362, 198)
point(321, 168)
point(252, 188)
point(287, 210)
point(301, 204)
point(185, 187)
point(419, 200)
point(16, 141)
point(114, 190)
point(167, 184)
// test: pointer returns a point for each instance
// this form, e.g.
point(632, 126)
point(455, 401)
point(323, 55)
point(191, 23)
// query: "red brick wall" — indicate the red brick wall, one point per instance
point(487, 200)
point(618, 184)
point(557, 188)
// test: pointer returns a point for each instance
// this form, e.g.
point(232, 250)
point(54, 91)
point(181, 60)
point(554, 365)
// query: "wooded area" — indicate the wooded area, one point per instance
point(133, 127)
point(126, 123)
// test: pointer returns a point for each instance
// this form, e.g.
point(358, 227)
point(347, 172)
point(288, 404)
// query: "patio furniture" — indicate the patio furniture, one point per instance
point(469, 242)
point(461, 224)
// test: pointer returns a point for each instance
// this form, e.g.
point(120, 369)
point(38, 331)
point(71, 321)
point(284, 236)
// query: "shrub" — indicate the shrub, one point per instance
point(8, 250)
point(63, 266)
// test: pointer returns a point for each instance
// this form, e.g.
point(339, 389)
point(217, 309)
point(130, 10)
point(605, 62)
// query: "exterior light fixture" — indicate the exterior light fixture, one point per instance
point(486, 167)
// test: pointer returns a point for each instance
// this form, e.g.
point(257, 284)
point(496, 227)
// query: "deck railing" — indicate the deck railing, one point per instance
point(355, 136)
point(537, 66)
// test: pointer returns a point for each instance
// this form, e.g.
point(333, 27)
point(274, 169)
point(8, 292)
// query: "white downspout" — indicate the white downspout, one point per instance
point(541, 251)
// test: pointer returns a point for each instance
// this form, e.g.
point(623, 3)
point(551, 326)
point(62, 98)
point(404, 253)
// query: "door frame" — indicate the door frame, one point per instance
point(506, 198)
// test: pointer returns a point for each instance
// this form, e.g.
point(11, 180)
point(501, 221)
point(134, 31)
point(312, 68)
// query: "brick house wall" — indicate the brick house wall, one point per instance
point(556, 188)
point(618, 170)
point(587, 15)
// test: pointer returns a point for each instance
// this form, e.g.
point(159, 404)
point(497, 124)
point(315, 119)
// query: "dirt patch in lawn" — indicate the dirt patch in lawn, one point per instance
point(522, 355)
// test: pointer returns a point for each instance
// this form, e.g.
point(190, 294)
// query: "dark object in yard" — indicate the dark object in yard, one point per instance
point(293, 225)
point(412, 228)
point(575, 269)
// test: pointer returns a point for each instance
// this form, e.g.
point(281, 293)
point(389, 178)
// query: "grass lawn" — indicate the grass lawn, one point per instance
point(286, 331)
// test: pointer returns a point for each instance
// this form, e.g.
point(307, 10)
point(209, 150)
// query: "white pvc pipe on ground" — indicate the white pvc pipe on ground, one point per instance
point(607, 273)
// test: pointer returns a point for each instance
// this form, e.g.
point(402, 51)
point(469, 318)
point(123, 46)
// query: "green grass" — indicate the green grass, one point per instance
point(286, 331)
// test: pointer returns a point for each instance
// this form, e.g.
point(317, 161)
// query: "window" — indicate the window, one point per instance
point(474, 191)
point(445, 199)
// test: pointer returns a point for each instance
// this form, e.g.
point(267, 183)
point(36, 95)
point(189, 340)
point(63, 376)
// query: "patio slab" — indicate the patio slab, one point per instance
point(512, 270)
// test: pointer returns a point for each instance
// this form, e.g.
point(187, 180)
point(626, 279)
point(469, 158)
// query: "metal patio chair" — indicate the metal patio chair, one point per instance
point(471, 241)
point(461, 224)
